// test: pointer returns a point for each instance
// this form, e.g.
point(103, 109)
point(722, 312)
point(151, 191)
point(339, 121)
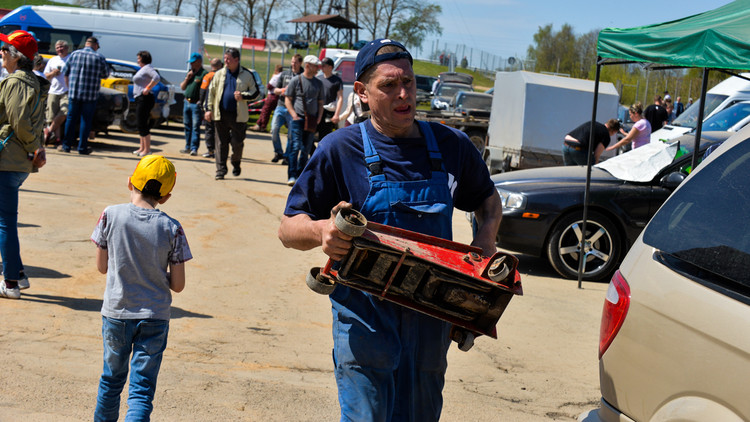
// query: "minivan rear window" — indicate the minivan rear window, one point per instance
point(702, 228)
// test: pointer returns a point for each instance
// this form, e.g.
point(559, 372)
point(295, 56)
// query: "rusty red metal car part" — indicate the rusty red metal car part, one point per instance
point(444, 279)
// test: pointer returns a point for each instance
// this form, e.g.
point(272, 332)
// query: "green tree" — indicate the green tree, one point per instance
point(421, 20)
point(554, 51)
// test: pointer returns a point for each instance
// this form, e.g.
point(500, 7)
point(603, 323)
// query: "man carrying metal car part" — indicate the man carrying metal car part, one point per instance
point(390, 361)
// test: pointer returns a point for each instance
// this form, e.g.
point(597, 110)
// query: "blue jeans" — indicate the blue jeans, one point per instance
point(10, 250)
point(574, 157)
point(299, 148)
point(191, 119)
point(281, 117)
point(79, 113)
point(147, 339)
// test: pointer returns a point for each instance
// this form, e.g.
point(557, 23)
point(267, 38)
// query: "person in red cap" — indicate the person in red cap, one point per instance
point(22, 100)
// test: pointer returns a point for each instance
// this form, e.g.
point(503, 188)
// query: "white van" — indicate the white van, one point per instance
point(725, 94)
point(121, 35)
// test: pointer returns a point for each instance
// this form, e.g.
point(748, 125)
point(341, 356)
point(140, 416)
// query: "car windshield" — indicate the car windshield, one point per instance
point(727, 118)
point(476, 102)
point(689, 118)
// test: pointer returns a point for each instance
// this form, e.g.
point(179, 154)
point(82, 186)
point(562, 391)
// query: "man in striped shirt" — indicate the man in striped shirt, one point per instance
point(83, 73)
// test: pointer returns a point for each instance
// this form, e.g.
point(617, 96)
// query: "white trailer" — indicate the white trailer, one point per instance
point(121, 35)
point(532, 113)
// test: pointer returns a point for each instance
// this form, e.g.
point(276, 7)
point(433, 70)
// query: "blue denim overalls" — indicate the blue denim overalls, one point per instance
point(390, 361)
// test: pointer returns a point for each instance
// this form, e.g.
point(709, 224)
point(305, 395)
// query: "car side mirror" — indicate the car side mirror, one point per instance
point(672, 180)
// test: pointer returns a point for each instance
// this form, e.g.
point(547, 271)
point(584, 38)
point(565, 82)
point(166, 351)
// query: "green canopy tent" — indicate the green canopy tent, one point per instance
point(715, 40)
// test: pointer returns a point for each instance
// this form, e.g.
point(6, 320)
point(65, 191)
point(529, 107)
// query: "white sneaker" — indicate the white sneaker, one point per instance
point(291, 181)
point(23, 283)
point(9, 293)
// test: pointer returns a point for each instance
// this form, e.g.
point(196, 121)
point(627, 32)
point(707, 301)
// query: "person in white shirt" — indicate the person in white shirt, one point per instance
point(57, 101)
point(354, 112)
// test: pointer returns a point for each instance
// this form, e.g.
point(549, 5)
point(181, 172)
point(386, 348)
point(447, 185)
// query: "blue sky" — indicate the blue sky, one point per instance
point(507, 27)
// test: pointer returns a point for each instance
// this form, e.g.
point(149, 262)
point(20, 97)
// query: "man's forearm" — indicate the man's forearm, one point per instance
point(488, 216)
point(300, 232)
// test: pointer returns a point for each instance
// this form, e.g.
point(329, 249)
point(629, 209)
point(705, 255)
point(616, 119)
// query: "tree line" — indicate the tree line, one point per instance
point(408, 21)
point(564, 52)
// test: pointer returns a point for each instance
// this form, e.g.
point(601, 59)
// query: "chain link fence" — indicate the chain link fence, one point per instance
point(457, 56)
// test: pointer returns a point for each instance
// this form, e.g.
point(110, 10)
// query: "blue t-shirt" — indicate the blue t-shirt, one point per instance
point(336, 171)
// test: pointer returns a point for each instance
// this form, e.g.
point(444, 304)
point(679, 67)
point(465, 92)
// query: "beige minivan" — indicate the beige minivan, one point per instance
point(675, 331)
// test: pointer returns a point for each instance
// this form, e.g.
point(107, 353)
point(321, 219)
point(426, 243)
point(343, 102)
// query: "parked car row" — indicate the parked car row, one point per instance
point(543, 209)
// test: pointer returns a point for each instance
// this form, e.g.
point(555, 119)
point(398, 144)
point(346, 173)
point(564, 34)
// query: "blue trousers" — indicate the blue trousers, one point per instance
point(405, 353)
point(191, 119)
point(299, 148)
point(146, 339)
point(79, 113)
point(281, 117)
point(10, 250)
point(573, 157)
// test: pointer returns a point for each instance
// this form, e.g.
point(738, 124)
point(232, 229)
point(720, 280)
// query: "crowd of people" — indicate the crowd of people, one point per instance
point(216, 100)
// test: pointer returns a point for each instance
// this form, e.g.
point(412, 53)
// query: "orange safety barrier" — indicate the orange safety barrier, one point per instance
point(253, 43)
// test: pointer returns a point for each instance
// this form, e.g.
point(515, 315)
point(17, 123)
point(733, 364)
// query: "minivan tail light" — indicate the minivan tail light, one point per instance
point(322, 54)
point(616, 306)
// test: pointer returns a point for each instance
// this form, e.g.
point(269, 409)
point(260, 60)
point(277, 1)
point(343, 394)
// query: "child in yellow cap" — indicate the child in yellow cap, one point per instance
point(143, 252)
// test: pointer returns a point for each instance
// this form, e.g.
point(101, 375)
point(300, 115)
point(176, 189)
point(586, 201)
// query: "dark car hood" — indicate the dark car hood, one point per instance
point(546, 177)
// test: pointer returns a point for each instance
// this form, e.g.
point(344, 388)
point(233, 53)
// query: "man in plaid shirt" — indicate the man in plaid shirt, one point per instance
point(83, 72)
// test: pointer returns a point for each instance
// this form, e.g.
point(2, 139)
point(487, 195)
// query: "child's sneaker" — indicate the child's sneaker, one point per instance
point(14, 293)
point(23, 283)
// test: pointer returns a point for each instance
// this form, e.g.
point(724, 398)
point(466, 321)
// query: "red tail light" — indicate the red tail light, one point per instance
point(616, 306)
point(322, 54)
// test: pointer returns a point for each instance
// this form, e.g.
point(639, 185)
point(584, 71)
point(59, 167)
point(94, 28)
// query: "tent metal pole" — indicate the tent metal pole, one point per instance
point(582, 245)
point(699, 127)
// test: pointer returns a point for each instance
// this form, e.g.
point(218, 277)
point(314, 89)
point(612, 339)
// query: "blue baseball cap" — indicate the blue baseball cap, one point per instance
point(194, 57)
point(367, 56)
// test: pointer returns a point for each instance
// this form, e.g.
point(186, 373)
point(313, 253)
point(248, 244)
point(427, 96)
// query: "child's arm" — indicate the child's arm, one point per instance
point(101, 260)
point(177, 277)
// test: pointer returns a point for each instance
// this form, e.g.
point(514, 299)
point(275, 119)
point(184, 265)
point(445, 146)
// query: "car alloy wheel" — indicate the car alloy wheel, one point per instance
point(602, 246)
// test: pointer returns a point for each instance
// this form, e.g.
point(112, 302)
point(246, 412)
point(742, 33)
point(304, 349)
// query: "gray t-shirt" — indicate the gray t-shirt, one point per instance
point(313, 93)
point(140, 244)
point(331, 87)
